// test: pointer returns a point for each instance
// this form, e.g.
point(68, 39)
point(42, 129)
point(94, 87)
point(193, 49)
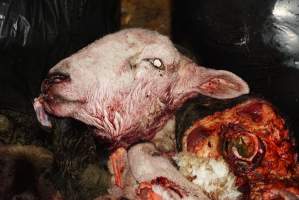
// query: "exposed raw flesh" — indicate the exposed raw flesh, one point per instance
point(254, 141)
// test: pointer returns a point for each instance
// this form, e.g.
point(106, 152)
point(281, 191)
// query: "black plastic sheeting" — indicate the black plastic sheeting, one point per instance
point(36, 34)
point(258, 40)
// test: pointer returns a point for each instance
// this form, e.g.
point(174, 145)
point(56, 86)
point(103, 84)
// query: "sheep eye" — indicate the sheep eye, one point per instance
point(156, 154)
point(157, 63)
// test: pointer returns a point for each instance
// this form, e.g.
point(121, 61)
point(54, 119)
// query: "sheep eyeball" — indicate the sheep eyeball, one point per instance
point(157, 63)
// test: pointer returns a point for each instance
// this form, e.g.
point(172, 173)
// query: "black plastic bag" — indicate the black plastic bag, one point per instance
point(36, 34)
point(258, 40)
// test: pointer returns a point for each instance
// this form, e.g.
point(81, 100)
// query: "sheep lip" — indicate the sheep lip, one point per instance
point(58, 99)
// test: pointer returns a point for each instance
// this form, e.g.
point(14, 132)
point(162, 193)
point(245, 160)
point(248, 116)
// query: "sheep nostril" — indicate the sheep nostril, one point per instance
point(54, 78)
point(57, 77)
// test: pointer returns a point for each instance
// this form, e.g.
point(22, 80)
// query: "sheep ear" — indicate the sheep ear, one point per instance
point(222, 84)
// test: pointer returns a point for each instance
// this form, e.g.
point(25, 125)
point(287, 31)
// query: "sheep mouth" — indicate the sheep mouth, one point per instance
point(56, 99)
point(48, 105)
point(53, 99)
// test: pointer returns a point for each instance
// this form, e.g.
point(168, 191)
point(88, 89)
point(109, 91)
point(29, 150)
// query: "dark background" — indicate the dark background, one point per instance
point(258, 40)
point(36, 34)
